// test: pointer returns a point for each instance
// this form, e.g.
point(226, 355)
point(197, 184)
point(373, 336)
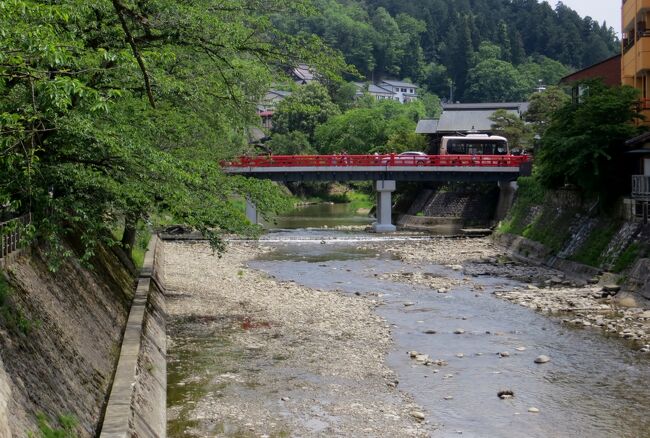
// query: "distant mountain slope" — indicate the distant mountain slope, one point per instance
point(437, 42)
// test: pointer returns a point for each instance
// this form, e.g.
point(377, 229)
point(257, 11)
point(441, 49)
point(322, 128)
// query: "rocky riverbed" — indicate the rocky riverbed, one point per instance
point(252, 356)
point(589, 304)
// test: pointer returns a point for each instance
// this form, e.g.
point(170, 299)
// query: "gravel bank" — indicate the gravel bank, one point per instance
point(544, 290)
point(251, 356)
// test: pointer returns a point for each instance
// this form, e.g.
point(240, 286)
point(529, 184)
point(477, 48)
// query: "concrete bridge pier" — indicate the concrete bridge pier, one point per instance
point(384, 206)
point(251, 212)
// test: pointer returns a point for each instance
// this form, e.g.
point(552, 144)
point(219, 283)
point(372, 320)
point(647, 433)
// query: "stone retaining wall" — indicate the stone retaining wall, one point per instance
point(137, 403)
point(536, 253)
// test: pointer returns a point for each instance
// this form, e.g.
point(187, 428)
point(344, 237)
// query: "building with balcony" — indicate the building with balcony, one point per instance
point(635, 62)
point(637, 206)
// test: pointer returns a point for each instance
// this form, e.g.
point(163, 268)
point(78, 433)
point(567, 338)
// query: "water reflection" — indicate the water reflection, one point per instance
point(322, 215)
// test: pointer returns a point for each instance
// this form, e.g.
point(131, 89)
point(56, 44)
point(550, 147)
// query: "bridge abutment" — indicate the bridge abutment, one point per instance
point(384, 213)
point(507, 190)
point(251, 212)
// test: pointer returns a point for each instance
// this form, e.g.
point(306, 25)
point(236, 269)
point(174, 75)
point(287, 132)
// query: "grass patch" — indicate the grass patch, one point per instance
point(66, 429)
point(551, 228)
point(592, 249)
point(529, 193)
point(626, 258)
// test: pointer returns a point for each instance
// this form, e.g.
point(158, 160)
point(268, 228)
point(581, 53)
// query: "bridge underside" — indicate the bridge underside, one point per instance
point(394, 173)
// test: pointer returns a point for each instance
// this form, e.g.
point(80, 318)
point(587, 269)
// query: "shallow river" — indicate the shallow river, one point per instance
point(593, 387)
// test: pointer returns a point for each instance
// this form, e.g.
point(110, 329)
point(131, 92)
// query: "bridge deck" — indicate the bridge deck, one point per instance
point(382, 167)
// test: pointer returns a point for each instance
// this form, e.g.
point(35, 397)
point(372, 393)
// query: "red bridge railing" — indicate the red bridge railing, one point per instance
point(379, 160)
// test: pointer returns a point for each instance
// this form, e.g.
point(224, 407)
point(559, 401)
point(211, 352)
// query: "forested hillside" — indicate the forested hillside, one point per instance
point(445, 44)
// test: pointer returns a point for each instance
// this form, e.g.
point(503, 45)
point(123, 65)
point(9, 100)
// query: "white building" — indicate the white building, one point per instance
point(402, 91)
point(392, 90)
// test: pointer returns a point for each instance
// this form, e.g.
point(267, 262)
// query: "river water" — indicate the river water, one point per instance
point(594, 386)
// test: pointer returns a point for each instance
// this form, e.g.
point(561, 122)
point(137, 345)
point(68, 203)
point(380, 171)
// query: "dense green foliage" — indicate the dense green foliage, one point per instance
point(438, 42)
point(304, 110)
point(543, 106)
point(584, 144)
point(386, 126)
point(512, 127)
point(110, 110)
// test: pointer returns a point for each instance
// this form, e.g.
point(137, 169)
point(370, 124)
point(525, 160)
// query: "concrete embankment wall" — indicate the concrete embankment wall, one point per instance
point(59, 339)
point(137, 403)
point(565, 232)
point(71, 338)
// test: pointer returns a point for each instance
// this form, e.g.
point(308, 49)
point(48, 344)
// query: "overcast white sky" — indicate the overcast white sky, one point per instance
point(608, 10)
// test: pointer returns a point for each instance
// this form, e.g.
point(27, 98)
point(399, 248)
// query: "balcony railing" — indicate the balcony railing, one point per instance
point(641, 186)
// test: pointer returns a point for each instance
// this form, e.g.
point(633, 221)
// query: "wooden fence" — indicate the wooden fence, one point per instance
point(11, 232)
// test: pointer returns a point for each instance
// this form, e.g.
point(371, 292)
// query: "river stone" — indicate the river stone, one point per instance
point(460, 355)
point(413, 354)
point(459, 331)
point(520, 348)
point(418, 415)
point(429, 332)
point(504, 354)
point(611, 288)
point(542, 359)
point(449, 397)
point(409, 303)
point(505, 394)
point(533, 410)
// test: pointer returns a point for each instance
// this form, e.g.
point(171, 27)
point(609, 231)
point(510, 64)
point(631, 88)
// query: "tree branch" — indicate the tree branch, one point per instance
point(120, 9)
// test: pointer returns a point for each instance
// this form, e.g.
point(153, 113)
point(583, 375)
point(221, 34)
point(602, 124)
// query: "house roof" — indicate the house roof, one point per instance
point(427, 126)
point(520, 107)
point(460, 121)
point(303, 72)
point(639, 140)
point(376, 89)
point(609, 70)
point(464, 117)
point(399, 84)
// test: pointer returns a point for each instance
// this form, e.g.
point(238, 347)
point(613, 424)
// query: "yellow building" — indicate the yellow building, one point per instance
point(635, 62)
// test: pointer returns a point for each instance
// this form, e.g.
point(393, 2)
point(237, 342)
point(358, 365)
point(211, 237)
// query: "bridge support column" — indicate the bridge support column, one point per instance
point(507, 190)
point(251, 211)
point(384, 207)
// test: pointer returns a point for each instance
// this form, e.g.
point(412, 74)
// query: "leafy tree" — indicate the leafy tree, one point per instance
point(110, 110)
point(293, 143)
point(431, 103)
point(304, 110)
point(583, 146)
point(510, 126)
point(543, 106)
point(369, 130)
point(494, 80)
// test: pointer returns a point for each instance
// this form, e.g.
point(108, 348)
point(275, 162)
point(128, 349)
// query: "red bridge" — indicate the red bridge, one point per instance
point(385, 170)
point(318, 164)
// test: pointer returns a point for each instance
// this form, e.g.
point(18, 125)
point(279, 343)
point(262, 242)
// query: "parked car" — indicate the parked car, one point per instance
point(408, 158)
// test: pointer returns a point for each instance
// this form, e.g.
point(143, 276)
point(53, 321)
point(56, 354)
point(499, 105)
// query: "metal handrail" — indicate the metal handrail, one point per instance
point(640, 186)
point(378, 160)
point(11, 233)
